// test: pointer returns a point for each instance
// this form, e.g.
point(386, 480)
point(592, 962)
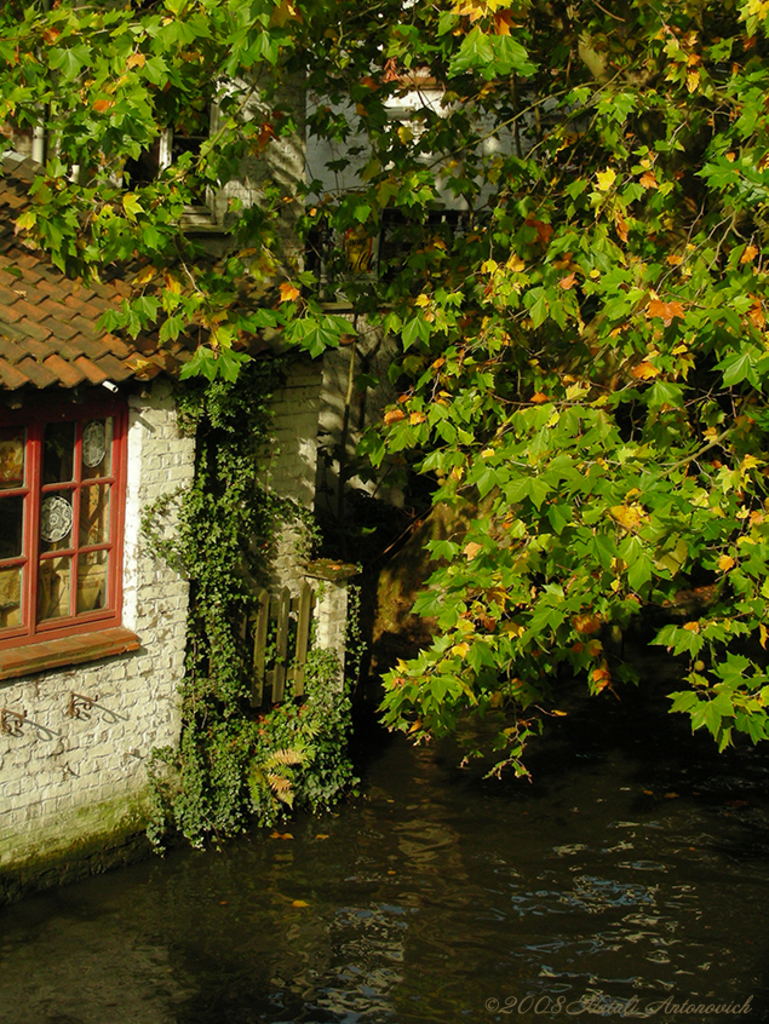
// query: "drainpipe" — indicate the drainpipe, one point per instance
point(38, 144)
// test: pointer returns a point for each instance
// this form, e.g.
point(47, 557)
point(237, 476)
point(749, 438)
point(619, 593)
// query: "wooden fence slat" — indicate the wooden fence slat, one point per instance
point(281, 645)
point(260, 647)
point(302, 638)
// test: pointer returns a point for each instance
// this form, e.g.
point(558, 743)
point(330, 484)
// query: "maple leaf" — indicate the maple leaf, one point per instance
point(749, 255)
point(288, 292)
point(629, 516)
point(470, 550)
point(136, 60)
point(539, 396)
point(756, 314)
point(515, 263)
point(502, 22)
point(544, 231)
point(568, 282)
point(101, 105)
point(393, 415)
point(606, 179)
point(601, 678)
point(587, 623)
point(666, 311)
point(725, 563)
point(644, 371)
point(648, 180)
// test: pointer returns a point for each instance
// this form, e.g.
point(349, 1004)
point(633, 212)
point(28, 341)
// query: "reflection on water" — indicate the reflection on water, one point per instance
point(630, 879)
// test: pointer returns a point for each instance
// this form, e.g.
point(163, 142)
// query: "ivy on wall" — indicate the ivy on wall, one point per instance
point(234, 766)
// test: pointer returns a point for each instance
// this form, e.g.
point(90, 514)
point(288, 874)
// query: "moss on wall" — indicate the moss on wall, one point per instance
point(83, 841)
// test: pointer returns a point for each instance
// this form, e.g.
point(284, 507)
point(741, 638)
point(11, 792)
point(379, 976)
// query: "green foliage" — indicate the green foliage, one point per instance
point(232, 766)
point(584, 354)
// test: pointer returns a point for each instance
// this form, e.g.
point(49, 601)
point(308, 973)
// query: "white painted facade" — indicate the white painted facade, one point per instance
point(68, 784)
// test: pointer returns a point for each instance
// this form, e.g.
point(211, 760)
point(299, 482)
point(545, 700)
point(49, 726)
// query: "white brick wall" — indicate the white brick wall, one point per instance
point(87, 776)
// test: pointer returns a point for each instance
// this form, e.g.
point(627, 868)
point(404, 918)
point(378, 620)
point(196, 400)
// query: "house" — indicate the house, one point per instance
point(92, 625)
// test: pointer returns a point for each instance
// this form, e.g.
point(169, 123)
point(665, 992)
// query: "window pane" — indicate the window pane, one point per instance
point(58, 452)
point(94, 514)
point(11, 520)
point(56, 522)
point(12, 441)
point(92, 581)
point(97, 448)
point(53, 588)
point(10, 597)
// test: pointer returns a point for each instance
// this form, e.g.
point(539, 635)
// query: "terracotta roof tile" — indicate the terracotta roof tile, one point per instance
point(39, 350)
point(115, 369)
point(35, 372)
point(49, 324)
point(11, 377)
point(118, 347)
point(9, 313)
point(59, 328)
point(68, 374)
point(8, 350)
point(88, 346)
point(33, 330)
point(91, 370)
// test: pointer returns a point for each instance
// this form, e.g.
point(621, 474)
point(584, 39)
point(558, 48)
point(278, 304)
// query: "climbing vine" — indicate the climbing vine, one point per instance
point(235, 765)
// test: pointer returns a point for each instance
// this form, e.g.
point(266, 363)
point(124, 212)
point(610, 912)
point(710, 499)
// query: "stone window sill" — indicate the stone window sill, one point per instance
point(69, 650)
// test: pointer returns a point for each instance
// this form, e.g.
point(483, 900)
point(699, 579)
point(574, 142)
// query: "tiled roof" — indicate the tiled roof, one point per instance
point(48, 323)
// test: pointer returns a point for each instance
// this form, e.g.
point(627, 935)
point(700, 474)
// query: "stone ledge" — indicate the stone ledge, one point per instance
point(70, 650)
point(331, 570)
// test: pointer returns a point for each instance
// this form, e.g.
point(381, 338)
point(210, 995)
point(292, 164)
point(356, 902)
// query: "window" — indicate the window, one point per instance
point(62, 494)
point(178, 144)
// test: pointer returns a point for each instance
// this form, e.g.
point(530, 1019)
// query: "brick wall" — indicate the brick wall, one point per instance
point(71, 783)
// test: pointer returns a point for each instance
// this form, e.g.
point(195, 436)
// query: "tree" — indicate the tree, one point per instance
point(584, 349)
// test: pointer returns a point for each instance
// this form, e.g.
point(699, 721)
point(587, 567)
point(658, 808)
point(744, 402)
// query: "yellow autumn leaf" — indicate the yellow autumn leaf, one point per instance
point(725, 563)
point(515, 263)
point(648, 180)
point(136, 60)
point(763, 633)
point(470, 550)
point(693, 80)
point(393, 415)
point(144, 276)
point(606, 179)
point(421, 300)
point(515, 628)
point(460, 649)
point(299, 903)
point(749, 254)
point(417, 417)
point(644, 371)
point(288, 292)
point(628, 516)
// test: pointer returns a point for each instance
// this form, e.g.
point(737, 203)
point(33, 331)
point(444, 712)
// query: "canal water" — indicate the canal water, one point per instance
point(629, 880)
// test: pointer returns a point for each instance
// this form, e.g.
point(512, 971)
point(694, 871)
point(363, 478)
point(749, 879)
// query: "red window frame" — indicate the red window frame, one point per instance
point(34, 417)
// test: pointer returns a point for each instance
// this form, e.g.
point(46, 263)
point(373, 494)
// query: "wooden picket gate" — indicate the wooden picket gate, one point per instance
point(287, 620)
